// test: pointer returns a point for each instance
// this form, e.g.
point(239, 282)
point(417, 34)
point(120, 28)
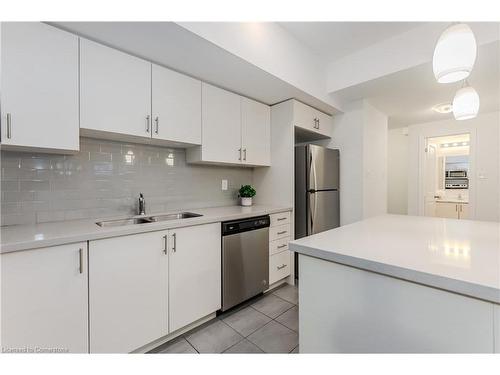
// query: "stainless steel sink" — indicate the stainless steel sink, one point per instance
point(177, 216)
point(146, 219)
point(123, 222)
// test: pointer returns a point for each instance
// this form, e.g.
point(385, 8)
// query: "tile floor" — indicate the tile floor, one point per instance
point(266, 324)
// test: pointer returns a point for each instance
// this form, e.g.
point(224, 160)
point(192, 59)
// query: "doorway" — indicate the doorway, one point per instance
point(446, 174)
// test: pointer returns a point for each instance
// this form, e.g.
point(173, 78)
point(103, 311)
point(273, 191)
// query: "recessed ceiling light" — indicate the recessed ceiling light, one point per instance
point(443, 108)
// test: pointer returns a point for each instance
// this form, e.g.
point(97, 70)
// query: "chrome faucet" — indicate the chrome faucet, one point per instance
point(141, 210)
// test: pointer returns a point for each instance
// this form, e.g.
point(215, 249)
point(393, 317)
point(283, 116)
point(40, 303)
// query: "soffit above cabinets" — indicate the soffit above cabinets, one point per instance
point(172, 46)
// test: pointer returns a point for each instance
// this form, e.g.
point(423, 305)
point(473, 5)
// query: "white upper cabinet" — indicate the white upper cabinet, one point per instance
point(234, 128)
point(255, 132)
point(311, 120)
point(176, 106)
point(45, 299)
point(115, 92)
point(128, 297)
point(39, 75)
point(221, 127)
point(194, 273)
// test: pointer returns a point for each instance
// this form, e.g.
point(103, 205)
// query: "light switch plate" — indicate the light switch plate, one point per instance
point(224, 184)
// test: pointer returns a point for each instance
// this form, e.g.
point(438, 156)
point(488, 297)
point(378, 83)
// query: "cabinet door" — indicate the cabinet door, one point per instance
point(303, 116)
point(115, 91)
point(255, 132)
point(221, 124)
point(324, 124)
point(447, 210)
point(176, 104)
point(44, 299)
point(39, 87)
point(463, 211)
point(194, 273)
point(128, 292)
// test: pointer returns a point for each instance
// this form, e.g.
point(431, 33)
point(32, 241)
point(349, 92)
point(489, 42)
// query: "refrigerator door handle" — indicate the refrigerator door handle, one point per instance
point(312, 212)
point(312, 172)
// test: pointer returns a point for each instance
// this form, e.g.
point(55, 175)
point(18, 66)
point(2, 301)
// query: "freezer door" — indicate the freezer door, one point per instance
point(322, 168)
point(323, 211)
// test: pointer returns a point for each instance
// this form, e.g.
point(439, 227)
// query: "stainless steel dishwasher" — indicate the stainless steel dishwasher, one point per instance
point(245, 259)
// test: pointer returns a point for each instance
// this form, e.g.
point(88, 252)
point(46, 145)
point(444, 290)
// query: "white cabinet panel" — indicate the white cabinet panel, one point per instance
point(39, 87)
point(447, 210)
point(463, 209)
point(279, 266)
point(303, 116)
point(44, 299)
point(115, 91)
point(324, 124)
point(194, 273)
point(128, 292)
point(279, 231)
point(280, 218)
point(221, 128)
point(176, 106)
point(255, 132)
point(312, 120)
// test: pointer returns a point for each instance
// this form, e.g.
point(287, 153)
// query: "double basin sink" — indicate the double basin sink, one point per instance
point(146, 219)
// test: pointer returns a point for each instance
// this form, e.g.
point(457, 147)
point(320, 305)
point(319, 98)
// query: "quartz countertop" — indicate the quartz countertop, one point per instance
point(460, 256)
point(449, 200)
point(24, 237)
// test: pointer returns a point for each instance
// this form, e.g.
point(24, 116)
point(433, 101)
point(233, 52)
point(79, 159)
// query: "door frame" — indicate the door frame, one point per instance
point(444, 132)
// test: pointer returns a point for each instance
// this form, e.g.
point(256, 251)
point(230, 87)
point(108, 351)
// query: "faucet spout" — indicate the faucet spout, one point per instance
point(141, 209)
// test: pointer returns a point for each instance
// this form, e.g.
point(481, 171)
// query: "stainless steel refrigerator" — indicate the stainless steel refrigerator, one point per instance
point(317, 206)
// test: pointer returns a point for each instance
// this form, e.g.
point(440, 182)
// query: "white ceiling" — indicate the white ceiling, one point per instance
point(408, 96)
point(333, 40)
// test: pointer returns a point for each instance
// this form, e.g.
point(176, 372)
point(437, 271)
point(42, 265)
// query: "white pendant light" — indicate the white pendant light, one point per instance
point(455, 54)
point(465, 103)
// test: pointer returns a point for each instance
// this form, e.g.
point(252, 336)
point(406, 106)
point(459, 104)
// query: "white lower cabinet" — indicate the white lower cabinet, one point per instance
point(452, 210)
point(128, 291)
point(146, 285)
point(194, 273)
point(44, 299)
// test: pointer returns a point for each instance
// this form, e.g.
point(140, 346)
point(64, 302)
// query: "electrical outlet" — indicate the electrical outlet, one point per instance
point(224, 185)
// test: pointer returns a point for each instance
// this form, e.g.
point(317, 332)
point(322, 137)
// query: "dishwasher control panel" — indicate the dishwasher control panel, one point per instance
point(243, 225)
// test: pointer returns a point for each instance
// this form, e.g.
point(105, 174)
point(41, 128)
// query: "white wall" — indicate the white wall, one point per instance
point(397, 171)
point(360, 134)
point(484, 193)
point(374, 161)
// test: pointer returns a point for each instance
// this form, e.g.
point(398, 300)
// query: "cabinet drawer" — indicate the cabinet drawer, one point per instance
point(279, 266)
point(278, 245)
point(279, 231)
point(280, 218)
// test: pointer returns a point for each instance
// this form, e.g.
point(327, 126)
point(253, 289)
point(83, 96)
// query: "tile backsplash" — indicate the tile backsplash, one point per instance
point(105, 178)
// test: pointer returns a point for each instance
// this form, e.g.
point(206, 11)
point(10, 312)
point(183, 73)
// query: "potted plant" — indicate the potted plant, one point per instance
point(246, 193)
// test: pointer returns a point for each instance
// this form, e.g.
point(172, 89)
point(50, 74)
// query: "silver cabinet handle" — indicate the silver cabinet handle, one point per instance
point(281, 218)
point(318, 124)
point(245, 154)
point(282, 232)
point(174, 246)
point(239, 150)
point(456, 208)
point(80, 257)
point(9, 126)
point(157, 122)
point(147, 123)
point(165, 244)
point(281, 267)
point(461, 208)
point(281, 246)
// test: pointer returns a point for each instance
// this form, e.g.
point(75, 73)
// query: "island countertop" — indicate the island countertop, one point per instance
point(460, 256)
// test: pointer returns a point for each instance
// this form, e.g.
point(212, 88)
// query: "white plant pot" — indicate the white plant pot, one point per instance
point(246, 201)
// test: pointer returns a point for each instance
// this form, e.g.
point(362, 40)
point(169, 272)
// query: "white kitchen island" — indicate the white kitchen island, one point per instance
point(397, 284)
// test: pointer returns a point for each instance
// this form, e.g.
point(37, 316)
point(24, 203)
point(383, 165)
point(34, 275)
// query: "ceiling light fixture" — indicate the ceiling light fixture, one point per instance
point(454, 54)
point(443, 108)
point(465, 103)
